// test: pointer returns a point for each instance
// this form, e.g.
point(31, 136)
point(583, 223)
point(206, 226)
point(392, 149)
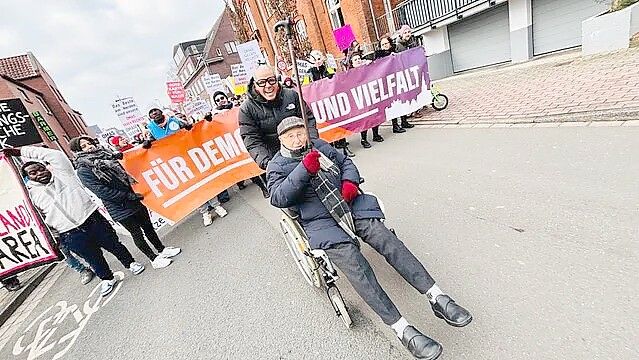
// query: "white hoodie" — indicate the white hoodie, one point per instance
point(63, 202)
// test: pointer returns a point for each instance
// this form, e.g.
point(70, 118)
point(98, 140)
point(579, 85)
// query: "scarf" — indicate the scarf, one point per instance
point(104, 165)
point(329, 195)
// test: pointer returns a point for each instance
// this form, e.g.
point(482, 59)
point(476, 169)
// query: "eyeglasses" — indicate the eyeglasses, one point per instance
point(262, 82)
point(155, 115)
point(219, 99)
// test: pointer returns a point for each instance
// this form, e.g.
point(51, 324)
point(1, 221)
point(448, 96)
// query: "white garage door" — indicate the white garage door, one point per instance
point(557, 23)
point(480, 40)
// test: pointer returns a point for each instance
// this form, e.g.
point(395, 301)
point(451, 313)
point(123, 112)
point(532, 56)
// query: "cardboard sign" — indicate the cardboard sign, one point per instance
point(42, 124)
point(213, 83)
point(175, 91)
point(129, 115)
point(25, 242)
point(16, 127)
point(344, 37)
point(239, 74)
point(250, 55)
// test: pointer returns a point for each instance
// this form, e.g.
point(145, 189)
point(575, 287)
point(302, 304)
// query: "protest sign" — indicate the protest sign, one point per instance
point(344, 37)
point(129, 115)
point(239, 74)
point(251, 56)
point(16, 127)
point(330, 61)
point(213, 83)
point(25, 242)
point(366, 96)
point(181, 172)
point(42, 124)
point(197, 107)
point(175, 91)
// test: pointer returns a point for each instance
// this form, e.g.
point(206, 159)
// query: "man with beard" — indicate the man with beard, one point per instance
point(267, 104)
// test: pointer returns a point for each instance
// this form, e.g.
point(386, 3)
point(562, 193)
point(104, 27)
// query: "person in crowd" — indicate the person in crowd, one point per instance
point(406, 41)
point(162, 126)
point(320, 71)
point(354, 48)
point(357, 61)
point(385, 48)
point(266, 106)
point(337, 218)
point(86, 274)
point(11, 283)
point(100, 172)
point(222, 103)
point(121, 143)
point(68, 209)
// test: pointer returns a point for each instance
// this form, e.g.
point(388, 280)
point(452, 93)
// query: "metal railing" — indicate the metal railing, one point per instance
point(419, 13)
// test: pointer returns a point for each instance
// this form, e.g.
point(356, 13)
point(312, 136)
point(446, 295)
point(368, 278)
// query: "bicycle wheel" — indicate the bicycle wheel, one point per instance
point(440, 102)
point(297, 246)
point(338, 304)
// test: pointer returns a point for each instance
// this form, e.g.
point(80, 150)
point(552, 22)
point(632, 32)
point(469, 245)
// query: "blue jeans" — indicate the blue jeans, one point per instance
point(88, 240)
point(71, 260)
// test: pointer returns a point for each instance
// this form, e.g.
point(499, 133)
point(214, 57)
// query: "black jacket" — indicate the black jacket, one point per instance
point(259, 119)
point(119, 199)
point(320, 72)
point(405, 45)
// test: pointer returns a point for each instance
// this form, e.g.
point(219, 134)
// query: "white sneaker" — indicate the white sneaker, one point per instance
point(161, 262)
point(107, 286)
point(220, 211)
point(136, 268)
point(207, 218)
point(170, 251)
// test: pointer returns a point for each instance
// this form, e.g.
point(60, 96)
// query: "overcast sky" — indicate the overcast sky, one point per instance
point(98, 49)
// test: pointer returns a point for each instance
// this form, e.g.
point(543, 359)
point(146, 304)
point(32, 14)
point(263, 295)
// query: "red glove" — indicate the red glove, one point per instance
point(311, 162)
point(349, 191)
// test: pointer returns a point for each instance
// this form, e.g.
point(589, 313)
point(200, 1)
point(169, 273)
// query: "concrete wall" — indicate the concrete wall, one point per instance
point(520, 21)
point(440, 64)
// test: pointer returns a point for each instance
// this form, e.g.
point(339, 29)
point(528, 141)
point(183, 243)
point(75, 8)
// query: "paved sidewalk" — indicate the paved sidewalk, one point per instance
point(556, 88)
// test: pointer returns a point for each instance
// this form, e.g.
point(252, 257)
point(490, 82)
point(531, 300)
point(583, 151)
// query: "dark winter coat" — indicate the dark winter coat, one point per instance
point(321, 72)
point(259, 119)
point(405, 45)
point(119, 199)
point(290, 187)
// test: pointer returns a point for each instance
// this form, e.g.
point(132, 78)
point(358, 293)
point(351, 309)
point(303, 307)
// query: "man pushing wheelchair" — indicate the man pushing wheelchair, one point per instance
point(321, 184)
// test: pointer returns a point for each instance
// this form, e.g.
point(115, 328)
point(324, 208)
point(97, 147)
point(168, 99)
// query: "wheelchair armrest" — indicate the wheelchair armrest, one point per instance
point(290, 213)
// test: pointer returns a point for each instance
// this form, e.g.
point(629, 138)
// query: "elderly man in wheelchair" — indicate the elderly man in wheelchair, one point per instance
point(321, 184)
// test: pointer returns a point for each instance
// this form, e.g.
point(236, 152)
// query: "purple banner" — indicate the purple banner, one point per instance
point(367, 96)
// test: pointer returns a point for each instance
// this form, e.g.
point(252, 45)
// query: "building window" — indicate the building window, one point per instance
point(231, 47)
point(179, 56)
point(300, 26)
point(249, 16)
point(218, 52)
point(24, 95)
point(335, 13)
point(44, 105)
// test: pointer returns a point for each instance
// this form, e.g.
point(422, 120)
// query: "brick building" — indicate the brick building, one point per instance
point(34, 101)
point(316, 21)
point(27, 70)
point(212, 55)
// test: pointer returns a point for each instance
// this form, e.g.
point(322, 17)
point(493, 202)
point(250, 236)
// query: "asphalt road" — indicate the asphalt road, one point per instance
point(535, 230)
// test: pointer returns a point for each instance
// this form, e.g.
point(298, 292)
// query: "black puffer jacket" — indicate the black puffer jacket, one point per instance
point(259, 119)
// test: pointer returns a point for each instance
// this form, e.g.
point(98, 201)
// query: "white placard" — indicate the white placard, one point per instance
point(213, 83)
point(239, 74)
point(129, 115)
point(330, 61)
point(251, 56)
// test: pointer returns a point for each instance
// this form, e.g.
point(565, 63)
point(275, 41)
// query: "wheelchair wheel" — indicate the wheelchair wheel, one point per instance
point(297, 246)
point(338, 305)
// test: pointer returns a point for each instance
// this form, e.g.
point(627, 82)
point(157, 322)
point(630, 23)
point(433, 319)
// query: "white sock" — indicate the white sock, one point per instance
point(400, 326)
point(433, 293)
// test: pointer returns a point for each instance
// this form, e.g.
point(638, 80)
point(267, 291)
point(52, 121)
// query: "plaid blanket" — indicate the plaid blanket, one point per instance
point(331, 196)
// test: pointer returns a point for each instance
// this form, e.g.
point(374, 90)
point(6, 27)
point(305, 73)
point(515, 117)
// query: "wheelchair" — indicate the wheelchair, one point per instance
point(314, 265)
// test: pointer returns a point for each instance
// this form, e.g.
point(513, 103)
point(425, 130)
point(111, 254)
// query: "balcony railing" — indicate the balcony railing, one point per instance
point(419, 13)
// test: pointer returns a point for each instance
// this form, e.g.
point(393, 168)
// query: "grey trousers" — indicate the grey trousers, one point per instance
point(350, 260)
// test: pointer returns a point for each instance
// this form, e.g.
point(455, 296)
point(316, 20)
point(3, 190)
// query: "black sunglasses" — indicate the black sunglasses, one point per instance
point(262, 82)
point(218, 99)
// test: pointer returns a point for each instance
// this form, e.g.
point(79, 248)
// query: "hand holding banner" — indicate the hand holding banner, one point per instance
point(25, 242)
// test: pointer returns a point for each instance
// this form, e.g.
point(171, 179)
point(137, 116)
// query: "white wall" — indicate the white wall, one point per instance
point(436, 41)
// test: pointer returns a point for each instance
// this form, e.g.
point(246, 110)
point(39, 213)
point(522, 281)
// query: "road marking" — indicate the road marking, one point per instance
point(47, 326)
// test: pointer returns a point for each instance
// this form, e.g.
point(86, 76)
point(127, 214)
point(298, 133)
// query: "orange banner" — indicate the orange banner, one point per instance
point(181, 172)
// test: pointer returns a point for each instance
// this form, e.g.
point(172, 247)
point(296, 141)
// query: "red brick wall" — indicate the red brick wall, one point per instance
point(9, 90)
point(224, 34)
